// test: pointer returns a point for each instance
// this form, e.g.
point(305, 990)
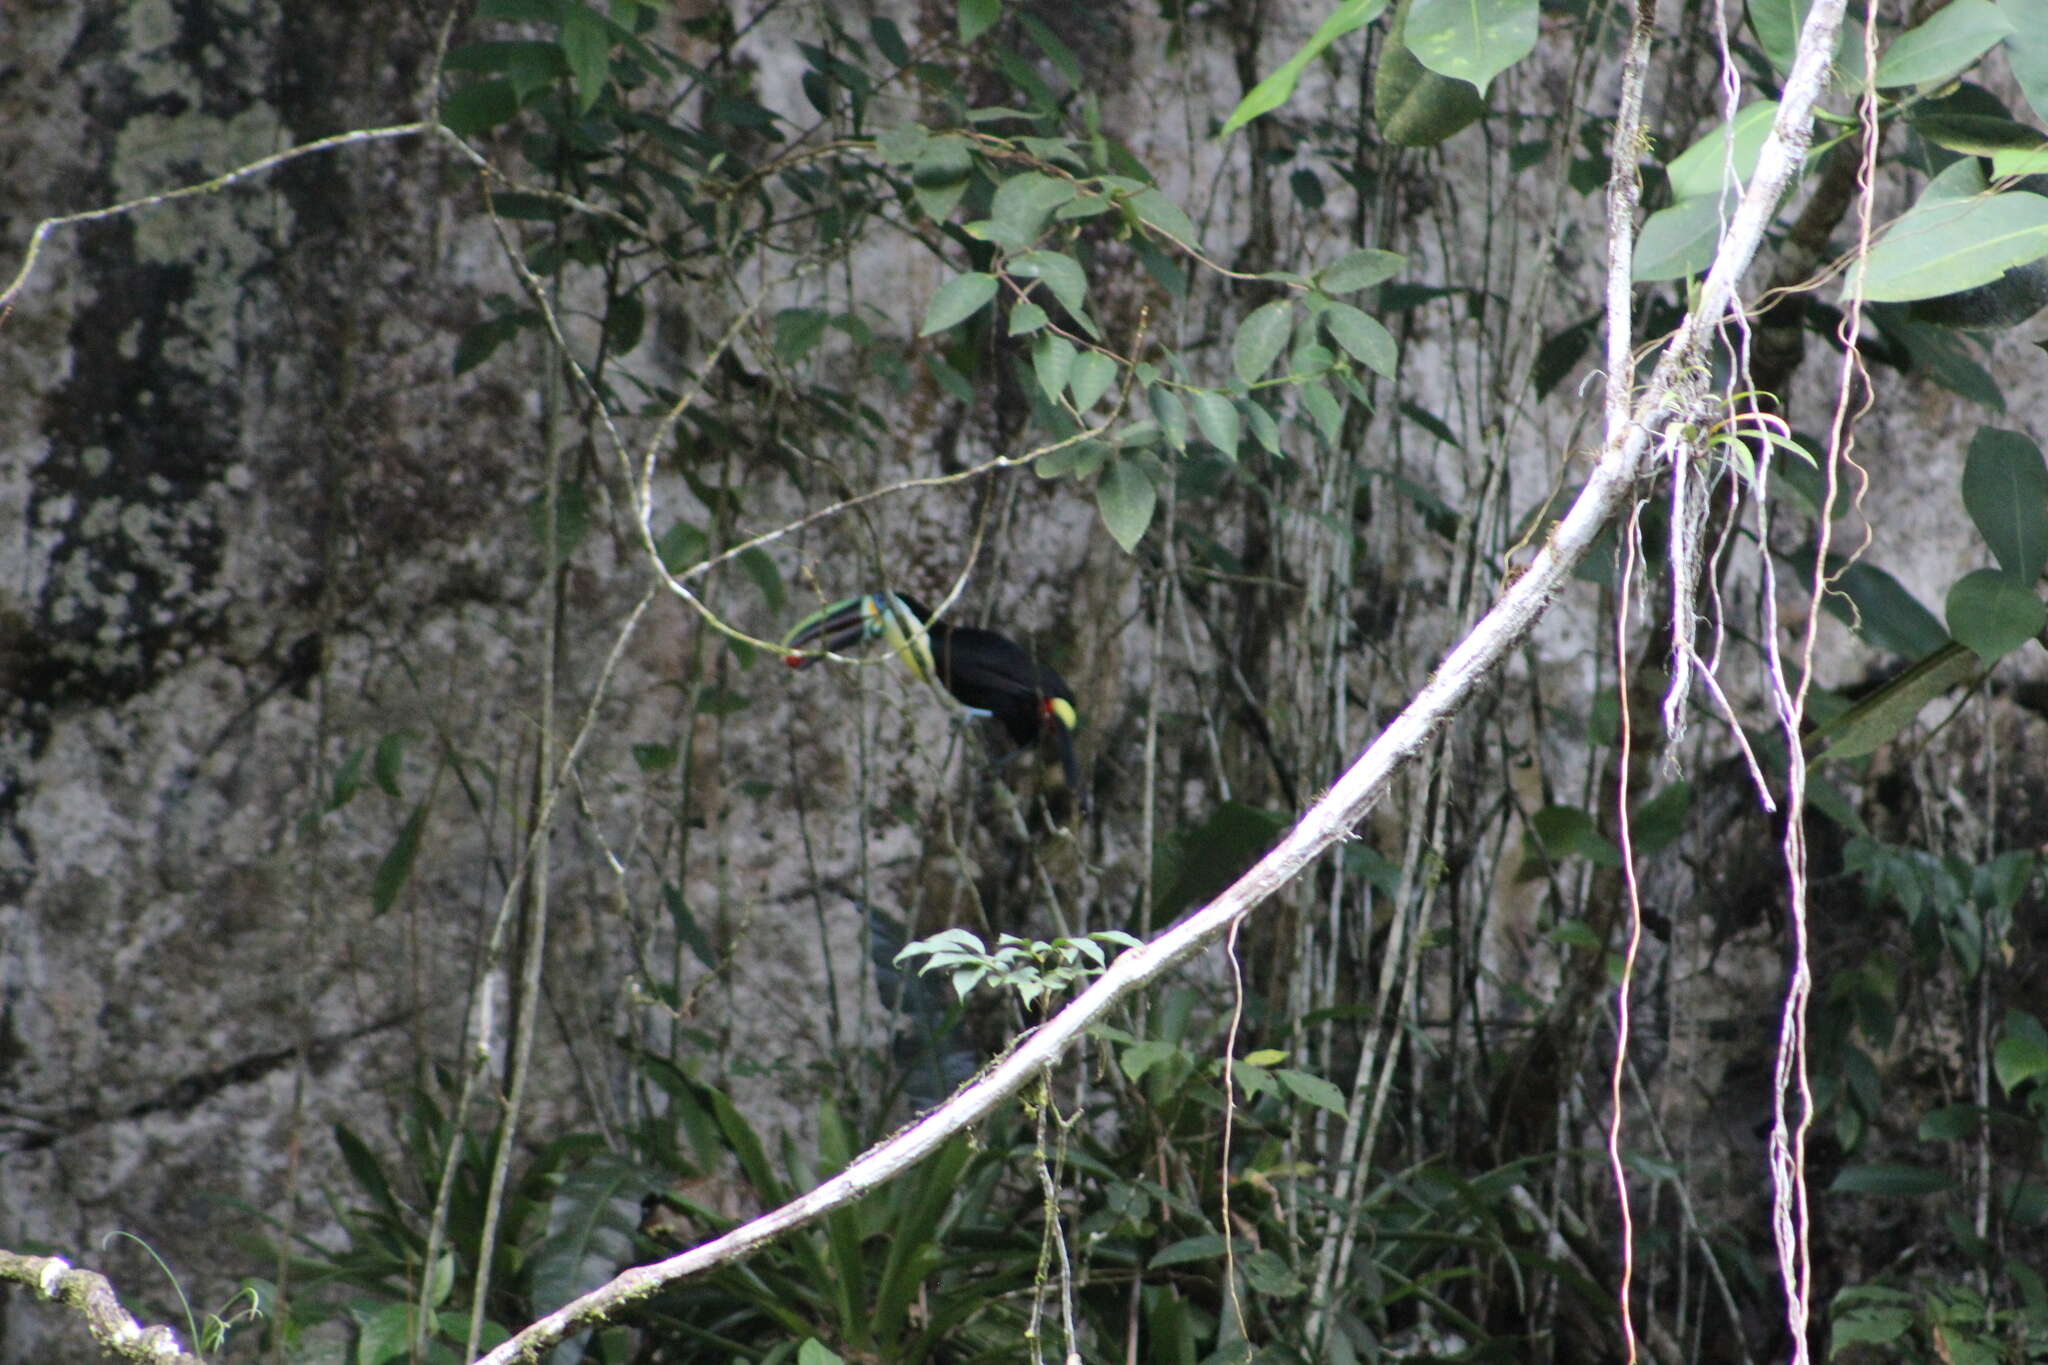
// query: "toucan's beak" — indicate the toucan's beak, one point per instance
point(1059, 714)
point(830, 629)
point(846, 623)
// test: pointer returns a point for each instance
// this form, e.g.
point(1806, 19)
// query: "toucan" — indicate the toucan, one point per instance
point(988, 673)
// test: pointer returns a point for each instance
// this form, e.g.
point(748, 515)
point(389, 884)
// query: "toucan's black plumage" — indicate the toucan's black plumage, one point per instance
point(988, 673)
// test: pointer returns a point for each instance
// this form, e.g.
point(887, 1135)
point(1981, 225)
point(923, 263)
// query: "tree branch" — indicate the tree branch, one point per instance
point(91, 1295)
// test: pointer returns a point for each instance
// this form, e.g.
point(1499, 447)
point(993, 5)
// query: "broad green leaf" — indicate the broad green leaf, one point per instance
point(1414, 106)
point(1954, 37)
point(1362, 335)
point(1679, 240)
point(1025, 318)
point(958, 299)
point(1217, 416)
point(389, 762)
point(2011, 161)
point(1314, 1089)
point(479, 107)
point(396, 868)
point(1731, 149)
point(586, 44)
point(1062, 274)
point(2005, 488)
point(1272, 92)
point(1260, 339)
point(1972, 134)
point(939, 175)
point(759, 566)
point(1024, 202)
point(976, 17)
point(1052, 359)
point(814, 1351)
point(1188, 1249)
point(1875, 605)
point(572, 519)
point(1156, 210)
point(1777, 24)
point(1875, 720)
point(1126, 499)
point(1994, 614)
point(889, 41)
point(1358, 270)
point(1568, 832)
point(1953, 239)
point(1471, 40)
point(1090, 378)
point(2018, 1061)
point(2026, 49)
point(1323, 409)
point(1171, 414)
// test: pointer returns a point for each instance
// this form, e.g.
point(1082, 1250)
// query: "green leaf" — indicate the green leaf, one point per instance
point(1193, 867)
point(1414, 106)
point(1272, 92)
point(479, 107)
point(1026, 318)
point(1268, 1273)
point(1873, 721)
point(1679, 240)
point(1052, 359)
point(572, 519)
point(1155, 210)
point(1126, 498)
point(1893, 1179)
point(1141, 1057)
point(1171, 414)
point(1216, 415)
point(1260, 339)
point(1954, 238)
point(2005, 488)
point(1205, 1248)
point(390, 762)
point(1358, 270)
point(939, 175)
point(2018, 1061)
point(1092, 374)
point(1658, 822)
point(396, 868)
point(681, 546)
point(1314, 1089)
point(1061, 273)
point(1875, 605)
point(1994, 614)
point(958, 299)
point(889, 41)
point(1566, 831)
point(481, 341)
point(1952, 39)
point(976, 17)
point(1361, 334)
point(1725, 158)
point(586, 44)
point(2026, 51)
point(1024, 202)
point(1471, 40)
point(813, 1351)
point(759, 565)
point(1322, 408)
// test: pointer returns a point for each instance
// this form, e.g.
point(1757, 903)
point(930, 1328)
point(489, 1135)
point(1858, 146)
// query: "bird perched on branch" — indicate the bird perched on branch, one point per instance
point(988, 673)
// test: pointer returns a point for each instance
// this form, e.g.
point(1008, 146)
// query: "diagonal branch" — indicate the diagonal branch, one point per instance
point(1331, 819)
